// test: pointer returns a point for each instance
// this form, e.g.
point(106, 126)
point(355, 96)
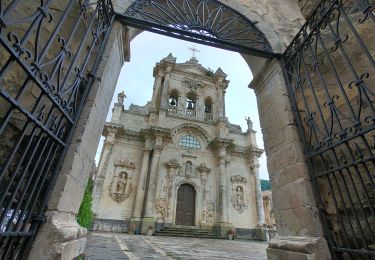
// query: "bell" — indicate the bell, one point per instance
point(173, 102)
point(190, 105)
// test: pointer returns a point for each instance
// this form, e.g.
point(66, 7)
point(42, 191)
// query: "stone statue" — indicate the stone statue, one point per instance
point(249, 123)
point(120, 98)
point(121, 183)
point(188, 168)
point(239, 196)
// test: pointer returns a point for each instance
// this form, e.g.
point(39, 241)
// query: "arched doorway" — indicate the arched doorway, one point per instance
point(185, 210)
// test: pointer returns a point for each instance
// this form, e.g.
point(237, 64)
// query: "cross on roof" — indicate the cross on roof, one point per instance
point(194, 50)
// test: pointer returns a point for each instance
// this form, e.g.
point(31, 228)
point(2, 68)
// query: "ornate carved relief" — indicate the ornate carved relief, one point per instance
point(188, 170)
point(120, 189)
point(238, 179)
point(208, 212)
point(125, 163)
point(192, 84)
point(121, 186)
point(238, 193)
point(162, 207)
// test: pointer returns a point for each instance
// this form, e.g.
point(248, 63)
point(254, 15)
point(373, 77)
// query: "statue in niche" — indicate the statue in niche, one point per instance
point(239, 196)
point(188, 168)
point(238, 193)
point(121, 182)
point(119, 190)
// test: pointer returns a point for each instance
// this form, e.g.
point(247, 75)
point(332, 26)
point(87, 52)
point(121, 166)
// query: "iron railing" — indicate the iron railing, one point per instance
point(49, 53)
point(330, 71)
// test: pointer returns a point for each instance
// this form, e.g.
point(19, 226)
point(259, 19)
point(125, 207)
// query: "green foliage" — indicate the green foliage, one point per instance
point(85, 213)
point(265, 185)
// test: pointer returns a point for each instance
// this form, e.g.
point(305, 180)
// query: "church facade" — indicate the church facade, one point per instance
point(177, 160)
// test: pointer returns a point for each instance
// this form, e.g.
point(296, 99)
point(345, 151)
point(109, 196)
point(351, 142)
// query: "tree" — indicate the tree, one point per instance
point(265, 185)
point(85, 214)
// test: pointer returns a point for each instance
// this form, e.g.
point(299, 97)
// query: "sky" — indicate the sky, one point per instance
point(148, 48)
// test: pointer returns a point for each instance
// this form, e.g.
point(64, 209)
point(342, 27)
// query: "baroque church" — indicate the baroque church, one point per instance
point(178, 161)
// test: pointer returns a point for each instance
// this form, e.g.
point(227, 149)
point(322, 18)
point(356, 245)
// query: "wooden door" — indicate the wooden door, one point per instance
point(185, 210)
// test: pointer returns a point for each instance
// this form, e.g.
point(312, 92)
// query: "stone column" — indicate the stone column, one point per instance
point(138, 204)
point(153, 178)
point(258, 195)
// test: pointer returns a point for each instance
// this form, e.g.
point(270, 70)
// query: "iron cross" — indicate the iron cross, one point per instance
point(194, 50)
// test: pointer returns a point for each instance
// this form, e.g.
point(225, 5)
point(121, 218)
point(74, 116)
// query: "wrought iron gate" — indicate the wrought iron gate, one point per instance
point(330, 70)
point(49, 52)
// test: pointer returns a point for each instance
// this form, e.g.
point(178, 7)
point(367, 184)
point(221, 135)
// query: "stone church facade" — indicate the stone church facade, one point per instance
point(177, 160)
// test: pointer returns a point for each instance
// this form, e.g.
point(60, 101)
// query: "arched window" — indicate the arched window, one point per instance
point(191, 100)
point(207, 109)
point(173, 101)
point(189, 141)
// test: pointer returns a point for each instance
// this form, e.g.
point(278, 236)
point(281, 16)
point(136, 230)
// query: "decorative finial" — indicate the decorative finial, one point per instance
point(194, 50)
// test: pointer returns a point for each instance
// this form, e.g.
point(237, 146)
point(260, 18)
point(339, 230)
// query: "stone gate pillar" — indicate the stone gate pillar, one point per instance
point(298, 226)
point(61, 237)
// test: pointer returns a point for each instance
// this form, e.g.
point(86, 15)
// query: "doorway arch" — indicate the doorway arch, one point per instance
point(185, 206)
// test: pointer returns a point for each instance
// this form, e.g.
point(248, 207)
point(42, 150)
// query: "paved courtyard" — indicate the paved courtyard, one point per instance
point(105, 246)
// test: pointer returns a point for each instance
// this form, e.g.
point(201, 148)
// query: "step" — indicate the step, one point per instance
point(186, 235)
point(184, 232)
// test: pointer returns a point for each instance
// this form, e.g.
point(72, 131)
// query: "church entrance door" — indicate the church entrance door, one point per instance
point(185, 210)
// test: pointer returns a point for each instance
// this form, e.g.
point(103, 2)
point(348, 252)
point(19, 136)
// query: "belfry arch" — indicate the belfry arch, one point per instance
point(300, 231)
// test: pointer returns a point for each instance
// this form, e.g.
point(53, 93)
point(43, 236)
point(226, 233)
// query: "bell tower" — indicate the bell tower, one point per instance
point(189, 90)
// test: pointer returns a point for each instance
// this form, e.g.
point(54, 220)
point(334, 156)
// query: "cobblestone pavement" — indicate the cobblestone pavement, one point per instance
point(134, 247)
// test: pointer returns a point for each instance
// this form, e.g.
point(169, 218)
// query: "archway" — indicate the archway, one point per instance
point(185, 209)
point(57, 124)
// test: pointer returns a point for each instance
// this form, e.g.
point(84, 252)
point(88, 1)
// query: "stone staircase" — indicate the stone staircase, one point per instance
point(185, 231)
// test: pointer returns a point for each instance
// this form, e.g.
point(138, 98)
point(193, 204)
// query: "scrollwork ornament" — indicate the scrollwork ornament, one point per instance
point(162, 207)
point(119, 196)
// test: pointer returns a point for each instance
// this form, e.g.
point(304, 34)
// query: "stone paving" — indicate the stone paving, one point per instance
point(102, 246)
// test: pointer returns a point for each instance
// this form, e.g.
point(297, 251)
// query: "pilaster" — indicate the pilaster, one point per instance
point(153, 177)
point(141, 189)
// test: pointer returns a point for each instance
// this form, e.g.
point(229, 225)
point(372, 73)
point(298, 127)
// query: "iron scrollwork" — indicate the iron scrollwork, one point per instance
point(206, 21)
point(330, 72)
point(49, 53)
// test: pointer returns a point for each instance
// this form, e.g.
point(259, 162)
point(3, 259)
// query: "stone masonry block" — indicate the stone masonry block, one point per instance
point(302, 221)
point(293, 195)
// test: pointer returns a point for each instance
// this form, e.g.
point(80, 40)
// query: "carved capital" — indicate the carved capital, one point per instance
point(108, 145)
point(203, 168)
point(172, 164)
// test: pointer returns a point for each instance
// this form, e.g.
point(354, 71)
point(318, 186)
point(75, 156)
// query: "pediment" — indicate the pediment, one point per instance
point(193, 68)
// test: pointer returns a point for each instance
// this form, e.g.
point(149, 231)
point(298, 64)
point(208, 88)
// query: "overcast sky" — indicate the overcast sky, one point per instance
point(136, 79)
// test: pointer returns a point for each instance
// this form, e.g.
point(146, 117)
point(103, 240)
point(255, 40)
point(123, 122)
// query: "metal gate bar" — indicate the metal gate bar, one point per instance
point(48, 58)
point(330, 73)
